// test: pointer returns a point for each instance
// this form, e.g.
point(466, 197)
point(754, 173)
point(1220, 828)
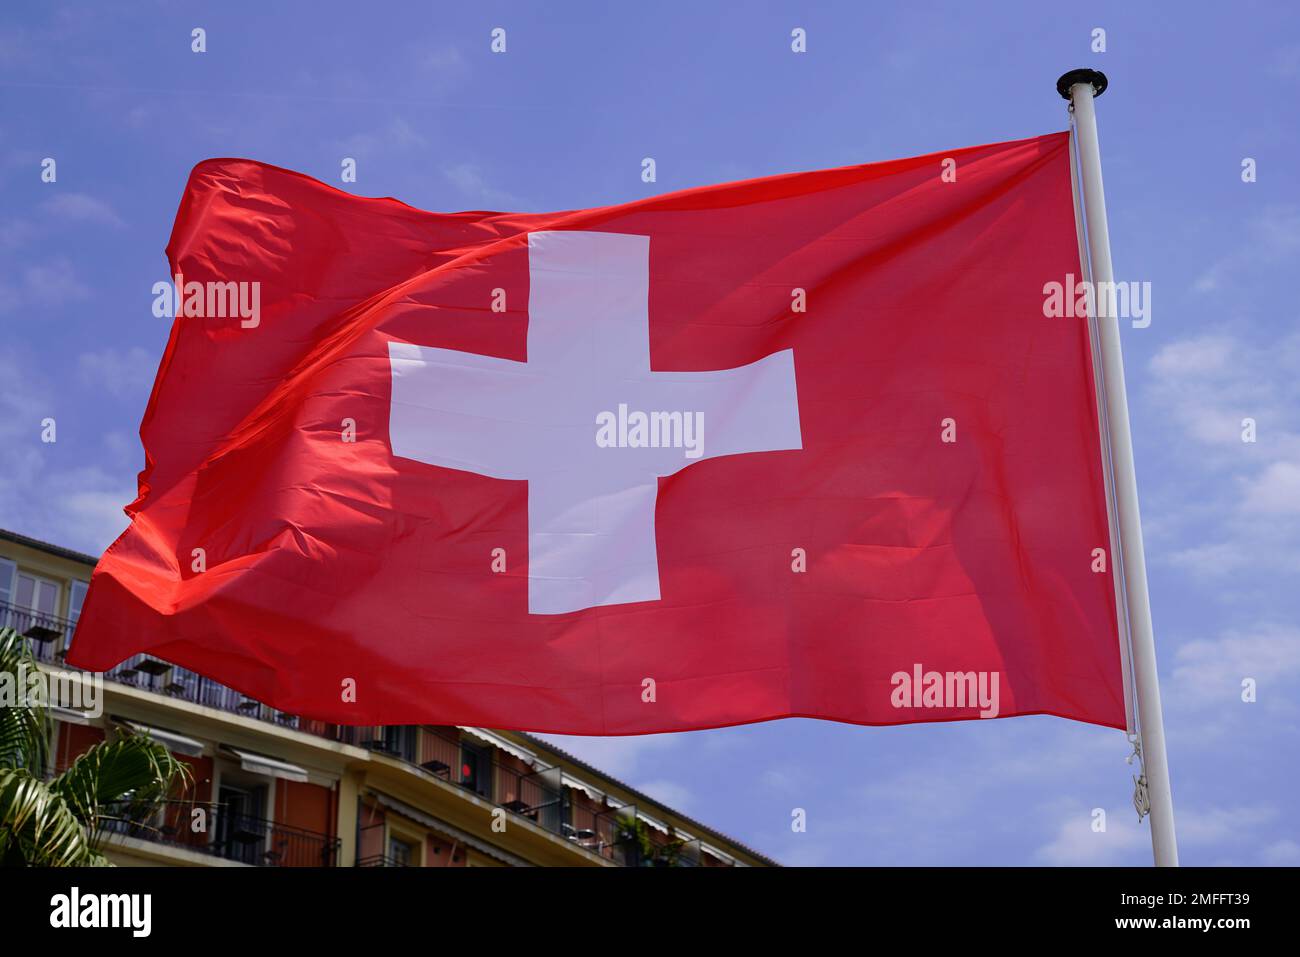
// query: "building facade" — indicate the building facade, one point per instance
point(274, 789)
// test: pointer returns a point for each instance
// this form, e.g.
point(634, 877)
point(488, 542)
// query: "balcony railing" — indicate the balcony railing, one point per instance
point(235, 837)
point(536, 794)
point(47, 635)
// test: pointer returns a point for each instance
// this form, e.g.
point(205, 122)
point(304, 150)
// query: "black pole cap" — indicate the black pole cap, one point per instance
point(1067, 81)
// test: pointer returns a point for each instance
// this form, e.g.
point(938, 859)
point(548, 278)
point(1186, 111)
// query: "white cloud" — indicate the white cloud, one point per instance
point(1076, 844)
point(1208, 672)
point(52, 283)
point(1284, 853)
point(80, 507)
point(1271, 238)
point(1214, 827)
point(121, 373)
point(472, 184)
point(782, 780)
point(1276, 491)
point(1208, 384)
point(23, 402)
point(620, 756)
point(1235, 504)
point(84, 507)
point(1210, 560)
point(395, 136)
point(80, 207)
point(675, 795)
point(15, 233)
point(446, 61)
point(1205, 833)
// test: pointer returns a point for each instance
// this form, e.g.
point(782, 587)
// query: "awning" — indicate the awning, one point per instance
point(447, 830)
point(649, 821)
point(168, 739)
point(596, 794)
point(69, 715)
point(404, 809)
point(272, 767)
point(720, 855)
point(509, 747)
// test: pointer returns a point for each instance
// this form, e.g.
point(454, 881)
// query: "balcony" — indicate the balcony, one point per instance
point(254, 841)
point(535, 794)
point(46, 635)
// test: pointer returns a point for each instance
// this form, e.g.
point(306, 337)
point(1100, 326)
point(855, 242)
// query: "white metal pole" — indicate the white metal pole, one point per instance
point(1081, 87)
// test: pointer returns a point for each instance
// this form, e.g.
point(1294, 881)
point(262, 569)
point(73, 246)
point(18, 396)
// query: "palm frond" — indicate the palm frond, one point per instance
point(37, 827)
point(24, 730)
point(133, 775)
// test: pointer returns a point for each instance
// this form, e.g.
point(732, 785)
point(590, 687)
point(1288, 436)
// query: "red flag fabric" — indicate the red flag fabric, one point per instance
point(805, 445)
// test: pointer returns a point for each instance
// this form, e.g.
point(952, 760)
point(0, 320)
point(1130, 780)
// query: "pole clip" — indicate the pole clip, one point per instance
point(1141, 795)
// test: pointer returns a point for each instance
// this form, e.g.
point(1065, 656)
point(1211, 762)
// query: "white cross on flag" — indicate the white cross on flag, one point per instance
point(591, 504)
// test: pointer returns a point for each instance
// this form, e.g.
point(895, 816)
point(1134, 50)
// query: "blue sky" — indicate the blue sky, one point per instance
point(713, 92)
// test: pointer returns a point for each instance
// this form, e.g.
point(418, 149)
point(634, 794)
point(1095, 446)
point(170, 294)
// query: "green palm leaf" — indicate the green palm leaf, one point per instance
point(37, 826)
point(131, 776)
point(59, 823)
point(24, 731)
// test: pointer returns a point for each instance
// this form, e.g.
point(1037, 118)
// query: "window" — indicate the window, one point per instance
point(75, 599)
point(8, 570)
point(241, 832)
point(475, 771)
point(36, 594)
point(399, 739)
point(400, 853)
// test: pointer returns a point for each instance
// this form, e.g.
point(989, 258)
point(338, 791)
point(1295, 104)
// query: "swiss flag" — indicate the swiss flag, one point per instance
point(804, 445)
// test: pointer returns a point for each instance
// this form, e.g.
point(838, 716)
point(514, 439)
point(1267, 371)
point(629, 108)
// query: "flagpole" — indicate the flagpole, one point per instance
point(1081, 87)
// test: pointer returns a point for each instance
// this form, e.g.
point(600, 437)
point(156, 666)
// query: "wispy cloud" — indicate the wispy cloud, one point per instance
point(672, 793)
point(78, 506)
point(1077, 844)
point(1272, 237)
point(621, 756)
point(50, 284)
point(81, 208)
point(1238, 501)
point(393, 137)
point(120, 372)
point(470, 181)
point(1208, 672)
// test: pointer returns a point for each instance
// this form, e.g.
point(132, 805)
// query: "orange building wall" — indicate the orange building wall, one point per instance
point(443, 853)
point(305, 805)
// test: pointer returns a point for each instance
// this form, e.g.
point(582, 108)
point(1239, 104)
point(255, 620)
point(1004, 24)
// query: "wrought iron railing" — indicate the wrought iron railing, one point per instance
point(217, 831)
point(47, 635)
